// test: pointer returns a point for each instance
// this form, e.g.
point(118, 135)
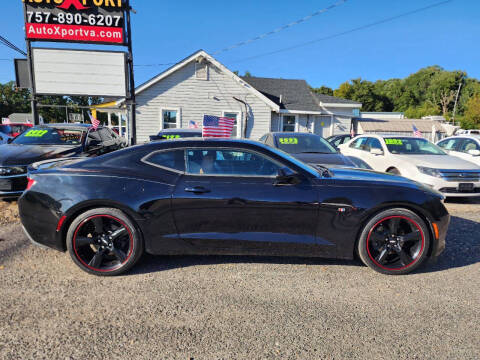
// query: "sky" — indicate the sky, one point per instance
point(166, 31)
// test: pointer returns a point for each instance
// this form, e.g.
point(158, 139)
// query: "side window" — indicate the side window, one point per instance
point(173, 159)
point(450, 144)
point(270, 141)
point(229, 162)
point(359, 144)
point(374, 143)
point(468, 145)
point(263, 138)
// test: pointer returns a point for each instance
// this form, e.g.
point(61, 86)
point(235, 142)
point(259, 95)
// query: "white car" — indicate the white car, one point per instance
point(417, 159)
point(466, 147)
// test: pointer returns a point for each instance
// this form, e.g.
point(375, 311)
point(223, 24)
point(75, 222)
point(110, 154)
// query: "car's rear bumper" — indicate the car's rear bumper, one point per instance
point(12, 186)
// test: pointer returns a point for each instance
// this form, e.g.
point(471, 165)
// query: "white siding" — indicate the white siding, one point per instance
point(195, 97)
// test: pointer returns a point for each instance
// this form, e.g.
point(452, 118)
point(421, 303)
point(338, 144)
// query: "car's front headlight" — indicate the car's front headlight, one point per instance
point(429, 171)
point(9, 171)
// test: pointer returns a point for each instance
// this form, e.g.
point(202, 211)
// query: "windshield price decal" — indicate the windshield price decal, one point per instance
point(393, 142)
point(171, 137)
point(36, 133)
point(288, 141)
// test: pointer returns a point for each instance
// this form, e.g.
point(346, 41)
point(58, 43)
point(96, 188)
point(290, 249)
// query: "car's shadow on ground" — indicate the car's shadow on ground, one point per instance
point(463, 249)
point(463, 246)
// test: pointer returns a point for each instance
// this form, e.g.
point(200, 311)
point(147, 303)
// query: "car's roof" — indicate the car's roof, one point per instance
point(292, 133)
point(466, 136)
point(69, 126)
point(166, 131)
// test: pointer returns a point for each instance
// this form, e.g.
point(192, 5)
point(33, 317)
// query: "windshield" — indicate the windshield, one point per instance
point(304, 143)
point(412, 146)
point(50, 136)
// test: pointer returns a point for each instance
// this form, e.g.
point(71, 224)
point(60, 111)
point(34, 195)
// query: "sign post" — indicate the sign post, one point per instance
point(101, 22)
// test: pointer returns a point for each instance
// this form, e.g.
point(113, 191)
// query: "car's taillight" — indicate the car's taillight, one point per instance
point(30, 183)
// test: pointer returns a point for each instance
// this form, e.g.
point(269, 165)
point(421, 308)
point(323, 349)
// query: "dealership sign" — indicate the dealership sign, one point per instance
point(88, 21)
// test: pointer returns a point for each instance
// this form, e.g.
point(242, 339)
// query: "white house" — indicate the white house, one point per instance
point(200, 85)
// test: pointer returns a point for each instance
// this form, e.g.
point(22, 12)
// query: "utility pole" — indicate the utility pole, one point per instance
point(456, 100)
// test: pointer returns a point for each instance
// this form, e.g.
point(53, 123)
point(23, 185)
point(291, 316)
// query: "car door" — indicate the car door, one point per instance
point(229, 202)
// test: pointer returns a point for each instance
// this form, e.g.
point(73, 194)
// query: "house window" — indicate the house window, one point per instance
point(201, 71)
point(170, 119)
point(288, 123)
point(237, 131)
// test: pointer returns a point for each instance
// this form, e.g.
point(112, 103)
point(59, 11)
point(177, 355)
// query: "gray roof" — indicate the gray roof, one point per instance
point(288, 94)
point(398, 125)
point(327, 99)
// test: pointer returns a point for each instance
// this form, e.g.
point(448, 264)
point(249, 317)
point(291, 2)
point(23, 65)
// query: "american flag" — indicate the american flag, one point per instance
point(416, 132)
point(95, 122)
point(192, 125)
point(214, 126)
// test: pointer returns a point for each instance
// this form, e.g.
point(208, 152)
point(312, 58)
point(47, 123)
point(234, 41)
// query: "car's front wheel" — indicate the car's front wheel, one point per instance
point(104, 242)
point(394, 242)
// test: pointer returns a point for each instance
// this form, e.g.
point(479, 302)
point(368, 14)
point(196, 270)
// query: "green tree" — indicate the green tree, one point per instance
point(472, 112)
point(325, 90)
point(13, 100)
point(364, 92)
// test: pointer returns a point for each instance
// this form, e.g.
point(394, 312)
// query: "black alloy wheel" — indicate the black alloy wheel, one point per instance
point(394, 242)
point(104, 242)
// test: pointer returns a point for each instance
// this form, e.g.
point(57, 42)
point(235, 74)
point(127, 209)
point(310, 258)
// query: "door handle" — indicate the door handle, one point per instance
point(197, 190)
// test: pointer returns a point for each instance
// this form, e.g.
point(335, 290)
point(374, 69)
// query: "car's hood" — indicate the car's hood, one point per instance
point(324, 159)
point(370, 176)
point(438, 162)
point(14, 154)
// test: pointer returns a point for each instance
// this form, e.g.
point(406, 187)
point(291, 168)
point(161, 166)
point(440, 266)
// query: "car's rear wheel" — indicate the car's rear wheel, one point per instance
point(104, 242)
point(394, 242)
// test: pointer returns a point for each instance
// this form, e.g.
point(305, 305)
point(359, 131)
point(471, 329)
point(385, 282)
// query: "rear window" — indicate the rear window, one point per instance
point(173, 159)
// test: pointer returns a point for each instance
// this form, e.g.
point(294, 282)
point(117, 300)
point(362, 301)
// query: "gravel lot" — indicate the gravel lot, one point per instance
point(241, 307)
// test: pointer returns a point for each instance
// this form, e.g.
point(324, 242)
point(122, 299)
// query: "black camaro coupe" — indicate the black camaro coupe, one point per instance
point(46, 142)
point(224, 196)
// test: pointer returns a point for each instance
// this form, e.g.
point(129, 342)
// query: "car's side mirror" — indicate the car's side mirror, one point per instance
point(474, 152)
point(9, 141)
point(286, 176)
point(376, 151)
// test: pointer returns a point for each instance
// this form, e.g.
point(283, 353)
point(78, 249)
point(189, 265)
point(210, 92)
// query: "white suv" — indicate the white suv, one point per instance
point(417, 159)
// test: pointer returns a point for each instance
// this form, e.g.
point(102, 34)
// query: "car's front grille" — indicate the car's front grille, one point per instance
point(461, 175)
point(12, 170)
point(452, 190)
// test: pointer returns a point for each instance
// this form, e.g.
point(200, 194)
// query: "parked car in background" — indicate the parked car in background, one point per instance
point(170, 134)
point(466, 147)
point(4, 138)
point(14, 130)
point(309, 148)
point(417, 159)
point(337, 140)
point(46, 142)
point(468, 132)
point(230, 197)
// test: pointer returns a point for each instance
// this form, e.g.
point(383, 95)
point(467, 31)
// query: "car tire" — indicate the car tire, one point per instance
point(394, 171)
point(104, 242)
point(394, 242)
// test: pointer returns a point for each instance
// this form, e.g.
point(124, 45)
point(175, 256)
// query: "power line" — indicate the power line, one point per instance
point(284, 27)
point(262, 36)
point(345, 32)
point(11, 46)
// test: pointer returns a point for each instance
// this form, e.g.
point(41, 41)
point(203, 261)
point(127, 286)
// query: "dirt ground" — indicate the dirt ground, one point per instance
point(8, 213)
